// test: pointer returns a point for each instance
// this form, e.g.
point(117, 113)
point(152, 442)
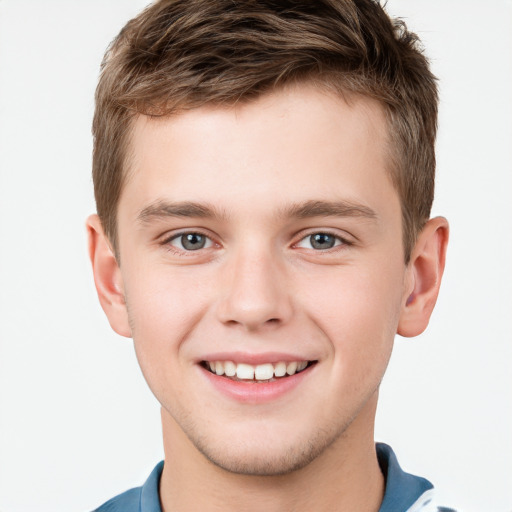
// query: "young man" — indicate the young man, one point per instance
point(264, 174)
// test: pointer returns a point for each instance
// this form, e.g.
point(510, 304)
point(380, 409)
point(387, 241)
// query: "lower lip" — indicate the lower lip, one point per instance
point(256, 392)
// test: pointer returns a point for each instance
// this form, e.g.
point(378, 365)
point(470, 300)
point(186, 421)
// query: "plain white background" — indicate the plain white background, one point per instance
point(77, 423)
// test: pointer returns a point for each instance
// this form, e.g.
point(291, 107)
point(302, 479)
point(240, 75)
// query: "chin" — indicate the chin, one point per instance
point(266, 457)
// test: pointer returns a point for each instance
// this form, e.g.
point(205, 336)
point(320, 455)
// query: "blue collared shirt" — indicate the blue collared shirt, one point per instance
point(404, 492)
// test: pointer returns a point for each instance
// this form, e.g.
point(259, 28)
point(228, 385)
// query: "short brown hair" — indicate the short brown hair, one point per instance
point(182, 54)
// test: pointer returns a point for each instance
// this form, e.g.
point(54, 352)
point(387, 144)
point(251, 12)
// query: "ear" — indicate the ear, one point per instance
point(424, 273)
point(107, 277)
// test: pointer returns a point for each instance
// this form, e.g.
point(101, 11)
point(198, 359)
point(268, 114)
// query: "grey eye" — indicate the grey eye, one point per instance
point(191, 241)
point(322, 241)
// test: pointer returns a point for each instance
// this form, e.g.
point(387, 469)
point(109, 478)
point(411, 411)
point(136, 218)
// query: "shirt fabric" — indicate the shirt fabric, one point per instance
point(404, 492)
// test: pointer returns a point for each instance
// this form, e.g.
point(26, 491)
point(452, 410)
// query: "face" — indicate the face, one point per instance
point(263, 271)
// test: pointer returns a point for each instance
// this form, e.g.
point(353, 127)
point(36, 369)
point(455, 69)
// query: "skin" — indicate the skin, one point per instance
point(259, 287)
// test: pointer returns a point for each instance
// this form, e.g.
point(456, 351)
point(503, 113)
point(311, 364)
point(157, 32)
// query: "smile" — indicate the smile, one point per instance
point(266, 372)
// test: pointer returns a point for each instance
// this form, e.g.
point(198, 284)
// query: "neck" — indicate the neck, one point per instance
point(345, 477)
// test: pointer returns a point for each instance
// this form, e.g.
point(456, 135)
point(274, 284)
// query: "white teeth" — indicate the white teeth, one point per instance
point(245, 371)
point(258, 372)
point(280, 370)
point(264, 372)
point(291, 368)
point(301, 366)
point(219, 368)
point(230, 368)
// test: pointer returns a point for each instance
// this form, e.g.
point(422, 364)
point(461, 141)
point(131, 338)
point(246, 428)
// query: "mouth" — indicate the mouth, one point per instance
point(260, 373)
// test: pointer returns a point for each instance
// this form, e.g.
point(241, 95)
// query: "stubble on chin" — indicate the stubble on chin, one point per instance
point(257, 459)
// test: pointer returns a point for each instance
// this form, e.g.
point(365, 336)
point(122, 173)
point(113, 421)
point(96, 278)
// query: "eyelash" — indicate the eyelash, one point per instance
point(181, 250)
point(339, 242)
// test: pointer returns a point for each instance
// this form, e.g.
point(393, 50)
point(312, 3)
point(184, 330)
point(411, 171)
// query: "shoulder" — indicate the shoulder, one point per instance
point(138, 499)
point(404, 491)
point(128, 501)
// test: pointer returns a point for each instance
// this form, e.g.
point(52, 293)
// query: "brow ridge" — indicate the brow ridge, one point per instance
point(313, 208)
point(329, 208)
point(162, 209)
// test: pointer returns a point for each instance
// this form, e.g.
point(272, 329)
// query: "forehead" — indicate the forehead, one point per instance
point(296, 144)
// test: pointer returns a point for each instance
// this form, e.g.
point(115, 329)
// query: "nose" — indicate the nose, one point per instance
point(255, 293)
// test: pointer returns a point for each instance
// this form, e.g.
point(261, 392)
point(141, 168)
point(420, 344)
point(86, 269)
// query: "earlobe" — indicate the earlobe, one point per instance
point(107, 277)
point(425, 271)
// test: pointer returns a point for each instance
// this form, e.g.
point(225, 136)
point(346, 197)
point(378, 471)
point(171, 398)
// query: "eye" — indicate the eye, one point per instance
point(190, 241)
point(320, 241)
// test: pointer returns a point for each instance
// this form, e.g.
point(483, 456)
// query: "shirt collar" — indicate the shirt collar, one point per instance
point(403, 490)
point(150, 495)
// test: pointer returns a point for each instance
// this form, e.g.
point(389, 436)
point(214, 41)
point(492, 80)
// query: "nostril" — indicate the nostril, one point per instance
point(252, 324)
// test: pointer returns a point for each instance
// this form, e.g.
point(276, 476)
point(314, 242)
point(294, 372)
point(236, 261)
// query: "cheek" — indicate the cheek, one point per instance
point(164, 300)
point(163, 310)
point(357, 308)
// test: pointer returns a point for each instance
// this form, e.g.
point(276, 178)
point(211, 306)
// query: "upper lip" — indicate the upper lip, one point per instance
point(254, 358)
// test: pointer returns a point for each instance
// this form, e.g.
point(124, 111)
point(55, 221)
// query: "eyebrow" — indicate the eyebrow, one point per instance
point(328, 209)
point(163, 209)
